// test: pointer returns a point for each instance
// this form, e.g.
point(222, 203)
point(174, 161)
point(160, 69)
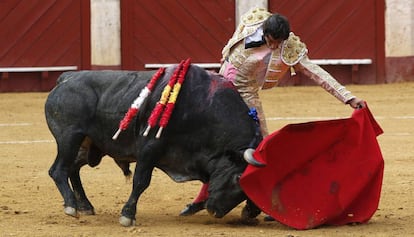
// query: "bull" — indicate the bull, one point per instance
point(209, 137)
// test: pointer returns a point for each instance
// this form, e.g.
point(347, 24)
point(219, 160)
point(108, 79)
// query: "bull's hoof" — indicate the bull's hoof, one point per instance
point(249, 213)
point(250, 221)
point(70, 211)
point(125, 221)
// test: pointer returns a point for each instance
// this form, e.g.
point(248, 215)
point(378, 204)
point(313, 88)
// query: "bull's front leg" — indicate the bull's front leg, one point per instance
point(249, 213)
point(250, 210)
point(141, 181)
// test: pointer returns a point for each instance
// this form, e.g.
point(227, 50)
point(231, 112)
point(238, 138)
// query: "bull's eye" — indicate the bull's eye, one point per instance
point(237, 178)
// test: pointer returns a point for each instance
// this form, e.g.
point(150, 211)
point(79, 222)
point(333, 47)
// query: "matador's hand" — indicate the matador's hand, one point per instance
point(356, 103)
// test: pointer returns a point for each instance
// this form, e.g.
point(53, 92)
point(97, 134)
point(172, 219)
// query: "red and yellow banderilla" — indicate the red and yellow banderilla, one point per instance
point(170, 94)
point(165, 118)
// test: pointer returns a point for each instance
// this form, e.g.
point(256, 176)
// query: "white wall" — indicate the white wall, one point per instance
point(399, 28)
point(105, 32)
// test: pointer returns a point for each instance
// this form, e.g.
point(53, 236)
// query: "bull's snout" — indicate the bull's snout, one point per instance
point(214, 210)
point(215, 214)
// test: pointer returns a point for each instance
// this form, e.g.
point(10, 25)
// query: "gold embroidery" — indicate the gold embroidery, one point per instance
point(255, 16)
point(292, 71)
point(275, 69)
point(249, 23)
point(293, 50)
point(325, 80)
point(238, 55)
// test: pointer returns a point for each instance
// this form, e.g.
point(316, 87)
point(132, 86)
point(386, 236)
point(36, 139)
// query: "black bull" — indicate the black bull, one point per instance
point(207, 136)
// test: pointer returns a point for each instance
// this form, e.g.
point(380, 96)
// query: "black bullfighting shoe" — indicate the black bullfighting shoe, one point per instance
point(268, 218)
point(192, 209)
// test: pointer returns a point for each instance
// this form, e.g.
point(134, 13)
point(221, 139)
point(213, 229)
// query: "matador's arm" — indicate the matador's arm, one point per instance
point(324, 79)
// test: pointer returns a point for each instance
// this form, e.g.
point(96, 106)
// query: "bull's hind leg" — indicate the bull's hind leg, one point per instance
point(68, 148)
point(83, 204)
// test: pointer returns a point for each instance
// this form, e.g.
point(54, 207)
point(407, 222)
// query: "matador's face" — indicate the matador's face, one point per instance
point(271, 42)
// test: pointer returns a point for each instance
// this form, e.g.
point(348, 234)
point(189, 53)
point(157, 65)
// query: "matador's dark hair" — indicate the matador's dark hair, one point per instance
point(276, 26)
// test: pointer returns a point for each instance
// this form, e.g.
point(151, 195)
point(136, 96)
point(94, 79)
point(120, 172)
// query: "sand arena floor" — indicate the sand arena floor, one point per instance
point(30, 204)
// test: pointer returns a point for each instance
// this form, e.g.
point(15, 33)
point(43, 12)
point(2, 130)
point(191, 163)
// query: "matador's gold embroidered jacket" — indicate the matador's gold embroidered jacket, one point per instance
point(258, 68)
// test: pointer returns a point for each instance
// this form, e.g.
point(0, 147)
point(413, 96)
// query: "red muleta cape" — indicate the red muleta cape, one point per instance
point(319, 173)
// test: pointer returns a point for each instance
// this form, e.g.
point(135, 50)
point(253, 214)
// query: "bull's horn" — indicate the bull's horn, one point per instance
point(248, 157)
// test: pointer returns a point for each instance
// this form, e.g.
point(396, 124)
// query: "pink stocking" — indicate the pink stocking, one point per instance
point(203, 194)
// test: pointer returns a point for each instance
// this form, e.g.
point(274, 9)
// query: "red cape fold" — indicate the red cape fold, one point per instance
point(319, 173)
